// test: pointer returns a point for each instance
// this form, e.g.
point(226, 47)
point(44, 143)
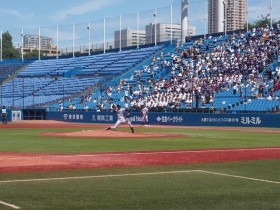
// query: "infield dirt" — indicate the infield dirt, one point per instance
point(17, 162)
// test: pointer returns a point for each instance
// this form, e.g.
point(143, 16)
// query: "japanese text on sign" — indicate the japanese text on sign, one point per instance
point(173, 119)
point(106, 118)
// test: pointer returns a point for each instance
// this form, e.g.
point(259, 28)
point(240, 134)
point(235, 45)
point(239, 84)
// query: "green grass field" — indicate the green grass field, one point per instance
point(29, 140)
point(227, 185)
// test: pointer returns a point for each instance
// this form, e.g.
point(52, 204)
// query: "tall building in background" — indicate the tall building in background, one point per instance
point(236, 15)
point(32, 42)
point(164, 32)
point(47, 47)
point(226, 15)
point(216, 16)
point(129, 37)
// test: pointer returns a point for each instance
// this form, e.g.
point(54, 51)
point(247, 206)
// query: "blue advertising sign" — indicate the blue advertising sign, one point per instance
point(173, 118)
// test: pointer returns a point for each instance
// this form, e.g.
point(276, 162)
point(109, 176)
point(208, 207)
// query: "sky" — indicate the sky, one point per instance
point(35, 13)
point(31, 14)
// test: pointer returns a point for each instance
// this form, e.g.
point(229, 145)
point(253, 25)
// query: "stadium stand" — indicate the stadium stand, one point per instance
point(231, 73)
point(45, 81)
point(9, 67)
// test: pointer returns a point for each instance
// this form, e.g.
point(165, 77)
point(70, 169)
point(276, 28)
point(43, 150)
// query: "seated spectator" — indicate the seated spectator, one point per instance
point(86, 108)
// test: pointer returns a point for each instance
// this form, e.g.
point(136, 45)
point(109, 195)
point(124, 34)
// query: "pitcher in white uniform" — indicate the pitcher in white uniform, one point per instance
point(123, 117)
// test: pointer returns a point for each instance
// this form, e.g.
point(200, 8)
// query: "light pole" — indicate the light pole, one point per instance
point(155, 15)
point(120, 34)
point(73, 41)
point(171, 24)
point(205, 18)
point(57, 42)
point(39, 52)
point(137, 30)
point(104, 35)
point(88, 28)
point(225, 17)
point(247, 18)
point(21, 44)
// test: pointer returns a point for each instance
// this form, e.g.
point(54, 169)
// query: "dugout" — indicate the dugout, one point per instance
point(34, 114)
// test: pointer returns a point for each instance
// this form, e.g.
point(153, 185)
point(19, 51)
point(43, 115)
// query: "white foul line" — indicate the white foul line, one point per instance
point(239, 177)
point(139, 174)
point(127, 175)
point(98, 176)
point(9, 205)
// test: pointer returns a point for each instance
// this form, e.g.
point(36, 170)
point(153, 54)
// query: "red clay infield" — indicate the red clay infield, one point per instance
point(112, 134)
point(16, 162)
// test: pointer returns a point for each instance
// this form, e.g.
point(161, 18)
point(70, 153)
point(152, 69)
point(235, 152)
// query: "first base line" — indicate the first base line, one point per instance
point(141, 174)
point(9, 205)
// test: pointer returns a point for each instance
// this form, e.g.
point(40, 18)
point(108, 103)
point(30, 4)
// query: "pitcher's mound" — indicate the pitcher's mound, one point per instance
point(113, 134)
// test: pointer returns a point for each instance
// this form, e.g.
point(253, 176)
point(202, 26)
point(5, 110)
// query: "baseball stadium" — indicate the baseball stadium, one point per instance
point(177, 107)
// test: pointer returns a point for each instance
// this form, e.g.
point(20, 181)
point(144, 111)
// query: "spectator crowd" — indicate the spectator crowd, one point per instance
point(240, 63)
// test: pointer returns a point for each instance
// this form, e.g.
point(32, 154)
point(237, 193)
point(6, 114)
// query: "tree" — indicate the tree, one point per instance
point(8, 49)
point(33, 54)
point(263, 21)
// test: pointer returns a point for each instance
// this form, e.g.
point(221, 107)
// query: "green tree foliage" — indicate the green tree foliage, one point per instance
point(263, 21)
point(33, 54)
point(8, 49)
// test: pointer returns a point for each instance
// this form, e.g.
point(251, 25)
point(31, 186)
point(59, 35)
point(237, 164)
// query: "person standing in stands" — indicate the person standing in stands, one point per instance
point(60, 106)
point(4, 115)
point(123, 117)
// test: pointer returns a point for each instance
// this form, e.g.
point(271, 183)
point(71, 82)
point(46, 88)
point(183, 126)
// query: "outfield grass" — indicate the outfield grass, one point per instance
point(187, 190)
point(143, 187)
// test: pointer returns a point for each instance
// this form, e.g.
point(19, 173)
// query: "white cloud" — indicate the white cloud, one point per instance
point(16, 13)
point(81, 9)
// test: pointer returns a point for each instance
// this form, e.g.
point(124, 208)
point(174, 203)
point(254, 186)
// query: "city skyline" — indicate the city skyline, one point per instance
point(28, 14)
point(84, 21)
point(226, 15)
